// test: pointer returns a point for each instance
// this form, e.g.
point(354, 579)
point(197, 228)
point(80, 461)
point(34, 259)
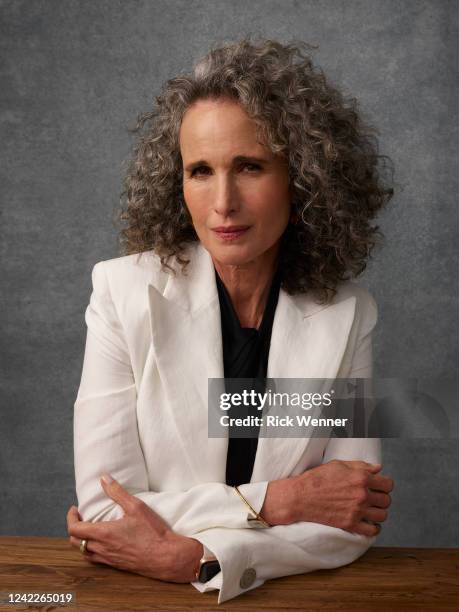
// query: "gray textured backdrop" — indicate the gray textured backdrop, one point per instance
point(74, 77)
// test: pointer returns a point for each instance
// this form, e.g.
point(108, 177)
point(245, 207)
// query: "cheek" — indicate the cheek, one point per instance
point(194, 203)
point(273, 204)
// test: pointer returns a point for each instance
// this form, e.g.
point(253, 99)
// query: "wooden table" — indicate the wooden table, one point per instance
point(383, 579)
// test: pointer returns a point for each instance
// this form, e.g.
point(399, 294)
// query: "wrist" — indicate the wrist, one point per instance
point(280, 507)
point(186, 554)
point(297, 499)
point(208, 566)
point(196, 555)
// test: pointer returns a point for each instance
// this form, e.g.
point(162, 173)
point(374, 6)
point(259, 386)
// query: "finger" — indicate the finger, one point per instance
point(90, 546)
point(379, 499)
point(96, 558)
point(363, 465)
point(75, 542)
point(73, 517)
point(378, 482)
point(376, 515)
point(374, 468)
point(84, 530)
point(367, 529)
point(119, 494)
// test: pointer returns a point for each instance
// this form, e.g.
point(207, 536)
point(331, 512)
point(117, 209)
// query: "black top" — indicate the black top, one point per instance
point(245, 355)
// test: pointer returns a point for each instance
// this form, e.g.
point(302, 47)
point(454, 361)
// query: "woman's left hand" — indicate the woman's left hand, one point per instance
point(140, 542)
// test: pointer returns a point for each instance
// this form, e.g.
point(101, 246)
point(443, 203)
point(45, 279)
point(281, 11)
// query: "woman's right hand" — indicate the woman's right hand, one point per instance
point(344, 494)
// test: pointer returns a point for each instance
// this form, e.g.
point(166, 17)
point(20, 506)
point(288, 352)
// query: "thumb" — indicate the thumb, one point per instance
point(114, 490)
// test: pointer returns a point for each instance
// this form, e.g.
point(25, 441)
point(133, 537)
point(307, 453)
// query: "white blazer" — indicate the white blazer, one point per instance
point(153, 340)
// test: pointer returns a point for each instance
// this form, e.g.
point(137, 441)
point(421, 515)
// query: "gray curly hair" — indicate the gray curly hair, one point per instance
point(334, 165)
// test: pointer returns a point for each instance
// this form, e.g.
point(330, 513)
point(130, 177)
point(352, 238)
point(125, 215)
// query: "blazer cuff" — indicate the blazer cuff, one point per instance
point(235, 576)
point(254, 493)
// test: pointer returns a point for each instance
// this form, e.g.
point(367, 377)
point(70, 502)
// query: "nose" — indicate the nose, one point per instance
point(226, 197)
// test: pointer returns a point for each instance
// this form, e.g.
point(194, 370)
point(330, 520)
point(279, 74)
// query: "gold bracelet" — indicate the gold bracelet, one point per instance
point(258, 517)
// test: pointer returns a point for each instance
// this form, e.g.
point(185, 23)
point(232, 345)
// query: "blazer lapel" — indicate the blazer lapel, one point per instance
point(308, 341)
point(187, 341)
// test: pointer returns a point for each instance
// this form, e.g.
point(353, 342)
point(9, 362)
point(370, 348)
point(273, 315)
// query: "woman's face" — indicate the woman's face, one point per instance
point(230, 180)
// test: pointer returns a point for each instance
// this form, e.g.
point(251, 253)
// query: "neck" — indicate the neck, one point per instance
point(248, 286)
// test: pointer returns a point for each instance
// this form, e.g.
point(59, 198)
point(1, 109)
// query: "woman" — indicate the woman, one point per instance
point(249, 204)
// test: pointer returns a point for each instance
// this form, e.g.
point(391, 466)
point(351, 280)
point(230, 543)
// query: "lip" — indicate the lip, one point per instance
point(230, 228)
point(231, 232)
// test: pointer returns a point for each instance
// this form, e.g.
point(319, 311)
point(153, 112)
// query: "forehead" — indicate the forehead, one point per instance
point(218, 124)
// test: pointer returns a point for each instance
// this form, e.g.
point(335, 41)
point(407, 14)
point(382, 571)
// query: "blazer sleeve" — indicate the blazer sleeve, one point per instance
point(248, 558)
point(106, 436)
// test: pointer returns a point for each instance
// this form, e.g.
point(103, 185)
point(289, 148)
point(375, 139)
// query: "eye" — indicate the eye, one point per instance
point(251, 167)
point(197, 171)
point(205, 170)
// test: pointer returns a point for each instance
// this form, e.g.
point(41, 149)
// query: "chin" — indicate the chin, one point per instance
point(231, 255)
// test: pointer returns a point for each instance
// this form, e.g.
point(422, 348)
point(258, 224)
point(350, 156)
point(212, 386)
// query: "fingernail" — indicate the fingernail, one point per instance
point(107, 478)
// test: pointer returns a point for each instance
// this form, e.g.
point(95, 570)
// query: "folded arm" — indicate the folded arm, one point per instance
point(106, 437)
point(248, 558)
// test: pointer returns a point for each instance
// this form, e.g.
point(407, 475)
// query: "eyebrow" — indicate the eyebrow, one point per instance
point(236, 160)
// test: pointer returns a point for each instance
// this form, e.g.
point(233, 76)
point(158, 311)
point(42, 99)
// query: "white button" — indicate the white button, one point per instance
point(247, 578)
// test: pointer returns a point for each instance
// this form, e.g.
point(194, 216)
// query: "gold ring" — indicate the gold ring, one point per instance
point(84, 546)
